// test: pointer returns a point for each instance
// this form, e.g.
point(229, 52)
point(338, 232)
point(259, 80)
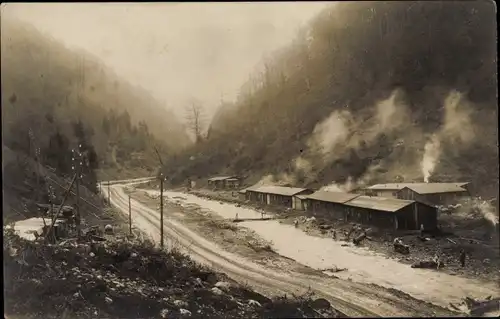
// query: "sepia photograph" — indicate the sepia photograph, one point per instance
point(308, 159)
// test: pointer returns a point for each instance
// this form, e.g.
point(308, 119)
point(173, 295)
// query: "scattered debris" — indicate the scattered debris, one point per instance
point(401, 247)
point(254, 303)
point(185, 313)
point(429, 264)
point(217, 291)
point(320, 303)
point(334, 269)
point(108, 229)
point(451, 241)
point(474, 307)
point(357, 241)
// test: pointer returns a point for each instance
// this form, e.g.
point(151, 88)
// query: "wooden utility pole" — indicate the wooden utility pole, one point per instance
point(54, 218)
point(161, 210)
point(109, 193)
point(161, 198)
point(77, 185)
point(129, 215)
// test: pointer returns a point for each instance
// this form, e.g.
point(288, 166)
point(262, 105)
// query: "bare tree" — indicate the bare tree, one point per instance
point(195, 119)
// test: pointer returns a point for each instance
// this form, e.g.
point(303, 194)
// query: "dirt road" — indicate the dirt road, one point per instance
point(353, 299)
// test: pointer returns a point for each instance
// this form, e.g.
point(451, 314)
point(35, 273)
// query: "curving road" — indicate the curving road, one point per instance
point(351, 298)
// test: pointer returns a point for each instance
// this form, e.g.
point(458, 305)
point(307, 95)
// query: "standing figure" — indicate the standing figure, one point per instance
point(462, 258)
point(353, 228)
point(334, 235)
point(296, 223)
point(421, 230)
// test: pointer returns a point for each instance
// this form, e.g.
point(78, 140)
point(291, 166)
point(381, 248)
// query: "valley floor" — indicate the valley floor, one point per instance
point(483, 260)
point(363, 265)
point(285, 276)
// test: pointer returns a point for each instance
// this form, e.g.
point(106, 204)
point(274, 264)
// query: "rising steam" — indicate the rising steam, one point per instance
point(339, 133)
point(457, 128)
point(488, 212)
point(301, 164)
point(432, 151)
point(474, 207)
point(330, 132)
point(334, 187)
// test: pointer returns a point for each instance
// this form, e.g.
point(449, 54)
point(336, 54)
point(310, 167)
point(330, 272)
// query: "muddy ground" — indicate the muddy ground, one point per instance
point(477, 238)
point(242, 241)
point(226, 234)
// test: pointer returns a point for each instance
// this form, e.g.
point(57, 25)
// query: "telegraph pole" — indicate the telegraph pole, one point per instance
point(161, 198)
point(109, 193)
point(161, 210)
point(77, 162)
point(129, 215)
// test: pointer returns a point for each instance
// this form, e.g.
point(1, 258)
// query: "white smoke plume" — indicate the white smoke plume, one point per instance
point(300, 164)
point(278, 180)
point(341, 132)
point(368, 176)
point(457, 119)
point(330, 132)
point(333, 187)
point(457, 128)
point(266, 180)
point(390, 114)
point(343, 188)
point(474, 207)
point(488, 212)
point(432, 151)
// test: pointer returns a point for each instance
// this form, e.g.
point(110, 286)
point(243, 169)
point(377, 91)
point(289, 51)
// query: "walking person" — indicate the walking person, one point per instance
point(334, 235)
point(462, 258)
point(438, 261)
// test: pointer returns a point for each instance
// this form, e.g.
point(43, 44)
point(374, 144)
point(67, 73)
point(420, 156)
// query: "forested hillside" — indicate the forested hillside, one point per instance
point(55, 100)
point(55, 92)
point(368, 92)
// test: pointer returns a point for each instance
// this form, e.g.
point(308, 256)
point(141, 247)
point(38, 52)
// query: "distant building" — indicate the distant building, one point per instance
point(328, 203)
point(242, 194)
point(233, 182)
point(435, 194)
point(392, 213)
point(222, 182)
point(276, 195)
point(382, 212)
point(300, 202)
point(432, 193)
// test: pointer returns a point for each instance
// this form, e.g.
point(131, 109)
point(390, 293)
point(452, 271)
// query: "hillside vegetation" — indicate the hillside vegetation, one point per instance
point(124, 278)
point(368, 92)
point(55, 100)
point(50, 89)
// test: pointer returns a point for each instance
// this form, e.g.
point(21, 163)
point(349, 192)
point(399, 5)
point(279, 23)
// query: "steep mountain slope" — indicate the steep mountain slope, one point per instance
point(52, 104)
point(370, 92)
point(38, 72)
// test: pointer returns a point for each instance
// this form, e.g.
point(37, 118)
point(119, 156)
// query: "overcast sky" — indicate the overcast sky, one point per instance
point(174, 50)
